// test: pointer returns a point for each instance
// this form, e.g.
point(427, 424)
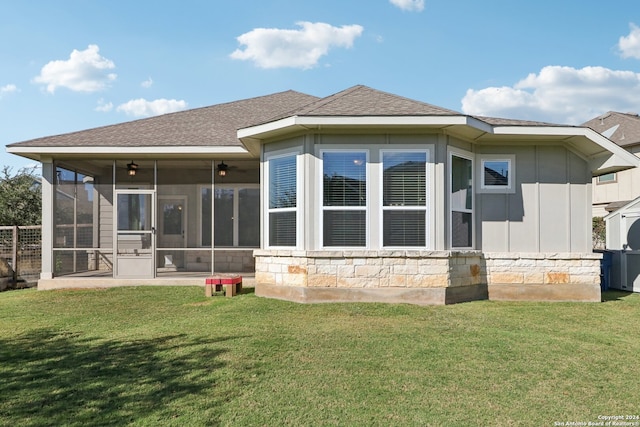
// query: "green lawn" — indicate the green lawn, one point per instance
point(169, 356)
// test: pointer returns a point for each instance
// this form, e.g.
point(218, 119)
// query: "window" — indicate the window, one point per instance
point(461, 200)
point(404, 194)
point(236, 215)
point(282, 200)
point(344, 198)
point(606, 178)
point(496, 173)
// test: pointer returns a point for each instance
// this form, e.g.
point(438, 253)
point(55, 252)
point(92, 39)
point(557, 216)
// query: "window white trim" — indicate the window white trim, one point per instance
point(510, 160)
point(320, 197)
point(298, 209)
point(463, 154)
point(428, 196)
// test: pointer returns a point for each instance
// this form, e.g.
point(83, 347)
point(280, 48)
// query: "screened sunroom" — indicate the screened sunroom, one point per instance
point(142, 219)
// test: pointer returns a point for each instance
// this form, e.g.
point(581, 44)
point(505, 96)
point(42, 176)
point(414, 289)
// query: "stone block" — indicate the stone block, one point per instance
point(346, 270)
point(533, 277)
point(427, 281)
point(326, 269)
point(555, 277)
point(370, 271)
point(296, 269)
point(393, 261)
point(322, 280)
point(357, 282)
point(266, 278)
point(587, 279)
point(397, 280)
point(274, 268)
point(295, 279)
point(404, 269)
point(433, 269)
point(506, 277)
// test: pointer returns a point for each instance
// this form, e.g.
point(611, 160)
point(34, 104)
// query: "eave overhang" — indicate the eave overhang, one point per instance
point(603, 155)
point(113, 152)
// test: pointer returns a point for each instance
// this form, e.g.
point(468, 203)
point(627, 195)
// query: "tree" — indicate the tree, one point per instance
point(20, 197)
point(599, 232)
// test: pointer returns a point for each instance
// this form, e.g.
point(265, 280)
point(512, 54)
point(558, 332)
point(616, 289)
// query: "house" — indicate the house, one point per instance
point(614, 190)
point(359, 196)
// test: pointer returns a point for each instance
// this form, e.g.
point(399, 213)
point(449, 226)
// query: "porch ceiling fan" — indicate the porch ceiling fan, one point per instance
point(223, 169)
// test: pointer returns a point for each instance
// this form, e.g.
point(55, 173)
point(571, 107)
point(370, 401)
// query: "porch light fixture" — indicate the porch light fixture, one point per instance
point(132, 168)
point(222, 169)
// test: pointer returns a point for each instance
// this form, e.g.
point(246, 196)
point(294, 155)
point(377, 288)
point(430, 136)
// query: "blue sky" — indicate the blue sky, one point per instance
point(69, 65)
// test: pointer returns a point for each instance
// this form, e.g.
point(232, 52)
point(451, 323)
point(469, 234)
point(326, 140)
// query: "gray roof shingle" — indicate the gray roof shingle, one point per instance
point(216, 125)
point(359, 101)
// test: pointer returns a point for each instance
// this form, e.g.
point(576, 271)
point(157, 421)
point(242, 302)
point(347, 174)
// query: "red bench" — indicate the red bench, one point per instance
point(231, 282)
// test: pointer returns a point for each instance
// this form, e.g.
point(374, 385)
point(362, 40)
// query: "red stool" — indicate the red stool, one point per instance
point(232, 283)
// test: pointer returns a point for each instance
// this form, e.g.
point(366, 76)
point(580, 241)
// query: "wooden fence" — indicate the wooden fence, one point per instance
point(21, 248)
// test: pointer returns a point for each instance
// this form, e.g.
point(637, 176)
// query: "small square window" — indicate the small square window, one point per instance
point(496, 173)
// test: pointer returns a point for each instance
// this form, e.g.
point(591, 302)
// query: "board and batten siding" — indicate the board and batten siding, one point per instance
point(549, 210)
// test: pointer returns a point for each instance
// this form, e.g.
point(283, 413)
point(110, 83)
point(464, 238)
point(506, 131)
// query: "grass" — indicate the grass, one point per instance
point(169, 356)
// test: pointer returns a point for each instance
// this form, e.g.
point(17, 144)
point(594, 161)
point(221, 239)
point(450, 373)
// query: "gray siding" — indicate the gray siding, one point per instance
point(548, 212)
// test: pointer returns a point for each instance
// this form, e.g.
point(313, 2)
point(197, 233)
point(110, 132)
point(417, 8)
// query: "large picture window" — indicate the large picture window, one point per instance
point(404, 204)
point(282, 200)
point(461, 200)
point(344, 198)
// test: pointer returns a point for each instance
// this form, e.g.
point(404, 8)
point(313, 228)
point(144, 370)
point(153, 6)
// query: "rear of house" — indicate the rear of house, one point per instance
point(360, 196)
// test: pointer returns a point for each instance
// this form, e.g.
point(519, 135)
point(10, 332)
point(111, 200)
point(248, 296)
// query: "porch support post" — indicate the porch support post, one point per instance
point(48, 207)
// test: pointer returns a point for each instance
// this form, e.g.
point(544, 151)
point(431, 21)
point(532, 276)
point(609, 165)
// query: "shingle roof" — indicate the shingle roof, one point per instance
point(626, 133)
point(216, 125)
point(497, 121)
point(365, 101)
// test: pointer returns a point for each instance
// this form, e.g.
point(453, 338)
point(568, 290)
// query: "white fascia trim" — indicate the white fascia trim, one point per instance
point(607, 145)
point(128, 150)
point(319, 121)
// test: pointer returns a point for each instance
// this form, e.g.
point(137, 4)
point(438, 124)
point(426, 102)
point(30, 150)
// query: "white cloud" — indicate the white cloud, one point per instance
point(147, 83)
point(559, 95)
point(630, 45)
point(276, 48)
point(104, 107)
point(409, 5)
point(10, 88)
point(84, 71)
point(143, 108)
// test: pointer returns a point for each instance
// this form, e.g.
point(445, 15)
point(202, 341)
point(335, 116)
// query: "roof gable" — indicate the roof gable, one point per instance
point(359, 101)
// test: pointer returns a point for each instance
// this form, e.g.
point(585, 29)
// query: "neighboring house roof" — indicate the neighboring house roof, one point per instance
point(621, 128)
point(201, 127)
point(614, 206)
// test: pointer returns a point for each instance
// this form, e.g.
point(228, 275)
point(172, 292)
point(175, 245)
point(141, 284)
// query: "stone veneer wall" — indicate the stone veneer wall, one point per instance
point(425, 277)
point(544, 276)
point(422, 277)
